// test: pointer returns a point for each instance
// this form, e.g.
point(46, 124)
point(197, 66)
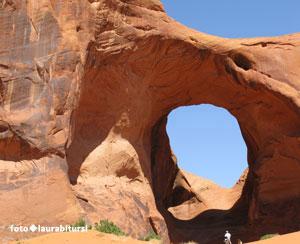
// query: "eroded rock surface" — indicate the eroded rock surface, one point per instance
point(208, 195)
point(85, 91)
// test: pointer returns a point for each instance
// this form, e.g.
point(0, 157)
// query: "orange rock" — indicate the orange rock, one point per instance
point(85, 91)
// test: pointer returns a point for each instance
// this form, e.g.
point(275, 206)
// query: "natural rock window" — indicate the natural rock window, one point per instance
point(212, 154)
point(207, 141)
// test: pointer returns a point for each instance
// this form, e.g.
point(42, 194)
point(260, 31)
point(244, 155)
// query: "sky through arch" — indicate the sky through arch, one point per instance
point(207, 141)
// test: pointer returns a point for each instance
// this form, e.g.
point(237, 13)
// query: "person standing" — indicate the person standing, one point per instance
point(227, 237)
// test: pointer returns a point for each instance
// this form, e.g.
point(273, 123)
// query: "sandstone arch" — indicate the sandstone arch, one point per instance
point(95, 95)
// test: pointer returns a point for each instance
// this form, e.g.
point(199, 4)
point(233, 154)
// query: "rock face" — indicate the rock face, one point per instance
point(85, 91)
point(209, 193)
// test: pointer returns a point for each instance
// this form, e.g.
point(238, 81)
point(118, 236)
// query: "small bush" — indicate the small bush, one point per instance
point(109, 227)
point(151, 235)
point(79, 223)
point(268, 236)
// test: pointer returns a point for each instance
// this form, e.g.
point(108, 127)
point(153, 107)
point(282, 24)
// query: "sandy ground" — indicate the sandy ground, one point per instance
point(293, 238)
point(94, 237)
point(91, 237)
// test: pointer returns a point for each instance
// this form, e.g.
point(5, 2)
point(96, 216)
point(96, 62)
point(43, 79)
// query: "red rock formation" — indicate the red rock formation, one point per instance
point(85, 91)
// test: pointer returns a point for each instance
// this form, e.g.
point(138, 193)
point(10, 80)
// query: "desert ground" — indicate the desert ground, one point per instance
point(293, 238)
point(90, 237)
point(94, 237)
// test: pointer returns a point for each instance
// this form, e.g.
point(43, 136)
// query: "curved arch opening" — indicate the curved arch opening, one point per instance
point(210, 151)
point(207, 142)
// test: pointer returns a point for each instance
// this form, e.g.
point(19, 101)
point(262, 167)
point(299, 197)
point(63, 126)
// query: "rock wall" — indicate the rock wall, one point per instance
point(41, 64)
point(85, 91)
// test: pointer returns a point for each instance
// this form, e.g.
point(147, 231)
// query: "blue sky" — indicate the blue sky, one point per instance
point(206, 139)
point(237, 18)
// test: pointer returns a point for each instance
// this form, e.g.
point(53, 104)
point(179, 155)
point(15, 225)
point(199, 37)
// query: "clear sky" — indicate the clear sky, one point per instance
point(237, 18)
point(207, 140)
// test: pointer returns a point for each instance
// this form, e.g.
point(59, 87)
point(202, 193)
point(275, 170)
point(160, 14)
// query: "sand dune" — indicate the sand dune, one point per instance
point(293, 238)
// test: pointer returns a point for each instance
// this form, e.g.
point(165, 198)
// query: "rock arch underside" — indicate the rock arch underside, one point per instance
point(85, 91)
